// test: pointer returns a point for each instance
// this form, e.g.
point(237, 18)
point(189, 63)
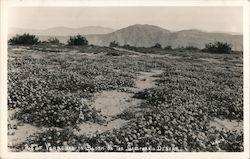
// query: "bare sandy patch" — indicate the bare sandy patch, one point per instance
point(147, 79)
point(93, 128)
point(18, 131)
point(227, 124)
point(113, 102)
point(210, 60)
point(110, 104)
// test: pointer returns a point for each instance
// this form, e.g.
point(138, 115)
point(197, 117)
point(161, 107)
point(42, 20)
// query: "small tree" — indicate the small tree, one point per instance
point(25, 39)
point(53, 40)
point(113, 44)
point(218, 47)
point(157, 45)
point(77, 40)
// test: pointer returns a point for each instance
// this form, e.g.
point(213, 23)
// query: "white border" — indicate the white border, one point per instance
point(122, 3)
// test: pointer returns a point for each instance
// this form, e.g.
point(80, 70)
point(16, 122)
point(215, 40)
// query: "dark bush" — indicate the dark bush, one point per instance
point(25, 39)
point(157, 45)
point(113, 44)
point(169, 47)
point(77, 40)
point(53, 40)
point(191, 48)
point(126, 45)
point(113, 53)
point(218, 47)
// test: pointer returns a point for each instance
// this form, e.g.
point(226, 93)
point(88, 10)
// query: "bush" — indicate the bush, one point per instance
point(113, 53)
point(157, 45)
point(126, 46)
point(77, 40)
point(191, 48)
point(25, 39)
point(113, 44)
point(218, 47)
point(169, 47)
point(53, 40)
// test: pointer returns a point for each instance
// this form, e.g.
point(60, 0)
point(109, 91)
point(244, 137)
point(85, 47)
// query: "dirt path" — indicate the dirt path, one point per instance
point(112, 103)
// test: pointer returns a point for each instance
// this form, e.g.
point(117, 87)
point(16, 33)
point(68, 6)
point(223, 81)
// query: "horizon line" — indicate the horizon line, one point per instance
point(115, 29)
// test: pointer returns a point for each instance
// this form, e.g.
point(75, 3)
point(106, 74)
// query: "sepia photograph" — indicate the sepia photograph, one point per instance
point(125, 79)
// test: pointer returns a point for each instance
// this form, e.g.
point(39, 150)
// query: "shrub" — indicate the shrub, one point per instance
point(53, 40)
point(218, 47)
point(113, 44)
point(77, 40)
point(113, 53)
point(191, 48)
point(157, 45)
point(169, 47)
point(126, 45)
point(25, 39)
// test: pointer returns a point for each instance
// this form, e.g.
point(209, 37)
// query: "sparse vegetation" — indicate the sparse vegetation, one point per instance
point(24, 39)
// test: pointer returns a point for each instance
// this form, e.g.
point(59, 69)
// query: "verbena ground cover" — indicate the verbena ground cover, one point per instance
point(49, 88)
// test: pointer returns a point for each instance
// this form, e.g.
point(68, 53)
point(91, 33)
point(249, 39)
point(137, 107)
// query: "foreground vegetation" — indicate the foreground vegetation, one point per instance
point(49, 85)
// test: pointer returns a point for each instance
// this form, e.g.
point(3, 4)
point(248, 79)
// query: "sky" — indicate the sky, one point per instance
point(218, 19)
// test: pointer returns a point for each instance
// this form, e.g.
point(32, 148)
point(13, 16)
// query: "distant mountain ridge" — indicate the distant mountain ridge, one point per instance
point(148, 35)
point(144, 35)
point(63, 31)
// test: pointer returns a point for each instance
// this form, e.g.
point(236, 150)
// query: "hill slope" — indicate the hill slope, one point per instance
point(148, 35)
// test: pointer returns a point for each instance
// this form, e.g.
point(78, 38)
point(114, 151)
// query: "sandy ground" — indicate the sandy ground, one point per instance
point(147, 79)
point(92, 128)
point(18, 132)
point(210, 60)
point(227, 124)
point(112, 103)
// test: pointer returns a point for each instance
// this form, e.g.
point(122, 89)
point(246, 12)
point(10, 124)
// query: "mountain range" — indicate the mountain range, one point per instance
point(63, 31)
point(141, 35)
